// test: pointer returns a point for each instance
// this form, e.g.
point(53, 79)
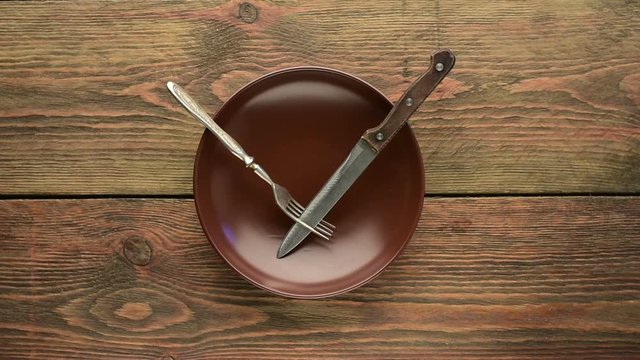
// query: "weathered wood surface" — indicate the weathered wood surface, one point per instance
point(491, 278)
point(544, 97)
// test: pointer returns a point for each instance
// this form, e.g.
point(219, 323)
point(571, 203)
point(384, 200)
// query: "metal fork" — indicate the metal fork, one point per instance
point(285, 201)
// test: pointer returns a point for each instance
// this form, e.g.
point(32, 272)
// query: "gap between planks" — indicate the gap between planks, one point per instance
point(190, 196)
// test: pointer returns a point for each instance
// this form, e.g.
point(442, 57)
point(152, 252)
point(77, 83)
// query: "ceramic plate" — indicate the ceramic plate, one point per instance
point(300, 124)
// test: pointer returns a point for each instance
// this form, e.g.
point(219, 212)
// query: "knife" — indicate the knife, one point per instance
point(367, 148)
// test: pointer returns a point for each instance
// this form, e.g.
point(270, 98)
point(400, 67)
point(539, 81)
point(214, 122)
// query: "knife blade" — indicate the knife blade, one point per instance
point(367, 148)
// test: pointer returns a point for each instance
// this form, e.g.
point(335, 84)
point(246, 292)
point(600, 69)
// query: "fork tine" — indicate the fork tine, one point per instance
point(319, 230)
point(297, 205)
point(328, 224)
point(325, 226)
point(324, 230)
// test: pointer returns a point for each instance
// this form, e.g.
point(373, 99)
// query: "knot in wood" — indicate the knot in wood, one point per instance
point(248, 12)
point(137, 250)
point(134, 311)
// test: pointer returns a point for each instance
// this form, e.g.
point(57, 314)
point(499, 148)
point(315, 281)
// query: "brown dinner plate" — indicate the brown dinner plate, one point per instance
point(300, 124)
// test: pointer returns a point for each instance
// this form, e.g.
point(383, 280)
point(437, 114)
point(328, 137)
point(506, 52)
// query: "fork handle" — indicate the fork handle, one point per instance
point(261, 173)
point(199, 113)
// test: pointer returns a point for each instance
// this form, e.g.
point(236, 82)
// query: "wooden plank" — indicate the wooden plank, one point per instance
point(544, 97)
point(496, 278)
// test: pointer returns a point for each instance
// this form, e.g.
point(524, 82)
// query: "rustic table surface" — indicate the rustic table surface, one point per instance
point(529, 242)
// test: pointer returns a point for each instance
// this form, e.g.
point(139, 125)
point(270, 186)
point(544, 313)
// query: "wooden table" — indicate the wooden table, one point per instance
point(528, 247)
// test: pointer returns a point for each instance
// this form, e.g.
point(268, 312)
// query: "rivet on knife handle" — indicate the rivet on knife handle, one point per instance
point(441, 63)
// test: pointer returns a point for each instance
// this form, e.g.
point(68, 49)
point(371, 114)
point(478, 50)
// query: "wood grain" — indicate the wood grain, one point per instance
point(544, 97)
point(496, 278)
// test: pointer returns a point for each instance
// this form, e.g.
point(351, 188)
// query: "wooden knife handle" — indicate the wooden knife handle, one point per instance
point(441, 63)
